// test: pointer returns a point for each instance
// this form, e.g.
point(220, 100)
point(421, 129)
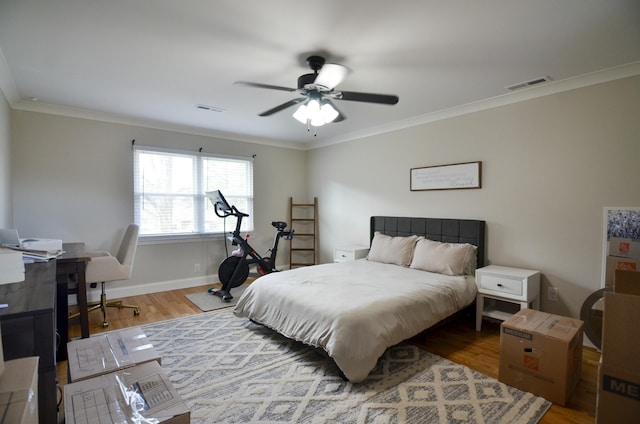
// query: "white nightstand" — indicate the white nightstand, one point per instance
point(349, 253)
point(504, 284)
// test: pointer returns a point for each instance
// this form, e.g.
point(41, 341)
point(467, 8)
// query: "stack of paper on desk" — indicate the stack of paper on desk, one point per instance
point(11, 266)
point(33, 248)
point(42, 245)
point(31, 255)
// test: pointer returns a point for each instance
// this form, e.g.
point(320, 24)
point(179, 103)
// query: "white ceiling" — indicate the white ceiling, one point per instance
point(153, 61)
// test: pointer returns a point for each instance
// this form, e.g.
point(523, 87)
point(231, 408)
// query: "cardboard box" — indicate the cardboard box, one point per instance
point(541, 353)
point(624, 247)
point(143, 390)
point(19, 391)
point(627, 282)
point(618, 399)
point(615, 263)
point(109, 352)
point(621, 332)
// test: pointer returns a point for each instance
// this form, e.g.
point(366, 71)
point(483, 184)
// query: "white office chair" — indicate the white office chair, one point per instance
point(104, 268)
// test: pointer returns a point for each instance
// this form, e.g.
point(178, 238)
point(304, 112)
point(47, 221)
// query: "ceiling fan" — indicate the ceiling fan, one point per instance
point(318, 90)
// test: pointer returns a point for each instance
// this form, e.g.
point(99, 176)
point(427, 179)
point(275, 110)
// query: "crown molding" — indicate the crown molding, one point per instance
point(9, 88)
point(53, 109)
point(7, 83)
point(553, 87)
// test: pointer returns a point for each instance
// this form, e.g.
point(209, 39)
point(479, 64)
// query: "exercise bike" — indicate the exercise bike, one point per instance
point(234, 270)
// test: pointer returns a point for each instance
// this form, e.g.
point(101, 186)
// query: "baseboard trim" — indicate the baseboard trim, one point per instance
point(93, 295)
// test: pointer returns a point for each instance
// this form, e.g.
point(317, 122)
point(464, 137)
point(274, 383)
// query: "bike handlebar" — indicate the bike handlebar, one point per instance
point(234, 212)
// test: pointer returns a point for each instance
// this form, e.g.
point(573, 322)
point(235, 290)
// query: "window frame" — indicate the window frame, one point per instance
point(200, 198)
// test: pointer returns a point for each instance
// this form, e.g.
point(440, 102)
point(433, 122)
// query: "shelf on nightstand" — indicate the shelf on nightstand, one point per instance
point(498, 309)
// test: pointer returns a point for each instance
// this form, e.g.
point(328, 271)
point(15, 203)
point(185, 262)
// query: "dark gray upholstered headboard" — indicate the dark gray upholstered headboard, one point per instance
point(444, 230)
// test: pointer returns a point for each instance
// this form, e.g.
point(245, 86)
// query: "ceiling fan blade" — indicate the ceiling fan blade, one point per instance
point(331, 74)
point(267, 86)
point(283, 106)
point(353, 96)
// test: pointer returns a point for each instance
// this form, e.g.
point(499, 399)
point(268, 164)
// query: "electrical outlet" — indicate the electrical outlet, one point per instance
point(196, 268)
point(552, 293)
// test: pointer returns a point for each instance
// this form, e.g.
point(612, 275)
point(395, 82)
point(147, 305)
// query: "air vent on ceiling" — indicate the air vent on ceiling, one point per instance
point(209, 108)
point(529, 83)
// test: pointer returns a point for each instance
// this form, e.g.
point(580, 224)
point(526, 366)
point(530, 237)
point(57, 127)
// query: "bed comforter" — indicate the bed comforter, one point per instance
point(354, 310)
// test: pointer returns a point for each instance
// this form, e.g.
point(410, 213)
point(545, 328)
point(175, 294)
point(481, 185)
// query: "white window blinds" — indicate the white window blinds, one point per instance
point(170, 186)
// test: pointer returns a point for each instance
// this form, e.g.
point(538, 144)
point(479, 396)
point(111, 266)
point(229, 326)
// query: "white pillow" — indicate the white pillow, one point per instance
point(392, 250)
point(444, 258)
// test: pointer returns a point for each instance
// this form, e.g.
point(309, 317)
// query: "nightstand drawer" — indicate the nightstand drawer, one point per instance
point(500, 285)
point(350, 253)
point(344, 255)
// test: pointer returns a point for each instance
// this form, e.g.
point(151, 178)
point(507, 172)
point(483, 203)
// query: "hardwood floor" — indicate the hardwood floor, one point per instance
point(457, 341)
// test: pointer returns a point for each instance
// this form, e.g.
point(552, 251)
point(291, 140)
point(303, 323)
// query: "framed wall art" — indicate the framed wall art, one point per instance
point(621, 224)
point(446, 177)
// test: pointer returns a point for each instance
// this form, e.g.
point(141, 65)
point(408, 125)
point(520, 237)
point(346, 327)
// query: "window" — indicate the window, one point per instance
point(170, 191)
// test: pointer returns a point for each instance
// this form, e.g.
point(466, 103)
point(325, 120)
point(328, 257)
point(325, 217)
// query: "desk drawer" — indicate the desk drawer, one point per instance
point(501, 285)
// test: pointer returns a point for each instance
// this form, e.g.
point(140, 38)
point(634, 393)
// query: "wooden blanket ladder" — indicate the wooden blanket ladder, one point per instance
point(304, 220)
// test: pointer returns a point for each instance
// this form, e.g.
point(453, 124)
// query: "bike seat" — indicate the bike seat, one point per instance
point(279, 225)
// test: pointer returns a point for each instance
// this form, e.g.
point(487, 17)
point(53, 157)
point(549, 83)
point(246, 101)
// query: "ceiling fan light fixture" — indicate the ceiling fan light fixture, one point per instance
point(313, 108)
point(328, 112)
point(314, 114)
point(301, 114)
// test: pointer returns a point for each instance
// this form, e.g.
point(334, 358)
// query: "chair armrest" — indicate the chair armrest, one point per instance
point(97, 254)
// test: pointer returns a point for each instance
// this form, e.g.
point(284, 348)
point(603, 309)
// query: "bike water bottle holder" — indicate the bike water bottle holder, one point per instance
point(238, 240)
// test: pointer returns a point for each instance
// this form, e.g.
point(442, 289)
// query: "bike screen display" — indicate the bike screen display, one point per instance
point(219, 202)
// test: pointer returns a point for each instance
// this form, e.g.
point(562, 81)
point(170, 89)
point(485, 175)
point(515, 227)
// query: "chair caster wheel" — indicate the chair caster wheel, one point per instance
point(136, 312)
point(105, 324)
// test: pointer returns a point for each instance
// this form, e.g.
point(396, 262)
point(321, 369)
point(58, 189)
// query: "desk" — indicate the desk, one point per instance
point(28, 329)
point(72, 262)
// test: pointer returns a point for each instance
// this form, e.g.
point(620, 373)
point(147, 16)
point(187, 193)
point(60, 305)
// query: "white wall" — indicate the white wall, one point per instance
point(549, 167)
point(73, 180)
point(6, 217)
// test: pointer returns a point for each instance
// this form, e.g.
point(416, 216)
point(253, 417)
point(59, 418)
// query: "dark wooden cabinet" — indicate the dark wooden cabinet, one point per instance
point(29, 329)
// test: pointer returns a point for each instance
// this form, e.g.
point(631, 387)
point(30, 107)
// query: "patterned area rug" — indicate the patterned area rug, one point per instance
point(229, 370)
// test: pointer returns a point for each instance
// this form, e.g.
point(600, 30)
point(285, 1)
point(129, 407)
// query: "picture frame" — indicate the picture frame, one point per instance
point(454, 176)
point(619, 222)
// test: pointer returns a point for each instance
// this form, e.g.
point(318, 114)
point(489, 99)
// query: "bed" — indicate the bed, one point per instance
point(419, 272)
